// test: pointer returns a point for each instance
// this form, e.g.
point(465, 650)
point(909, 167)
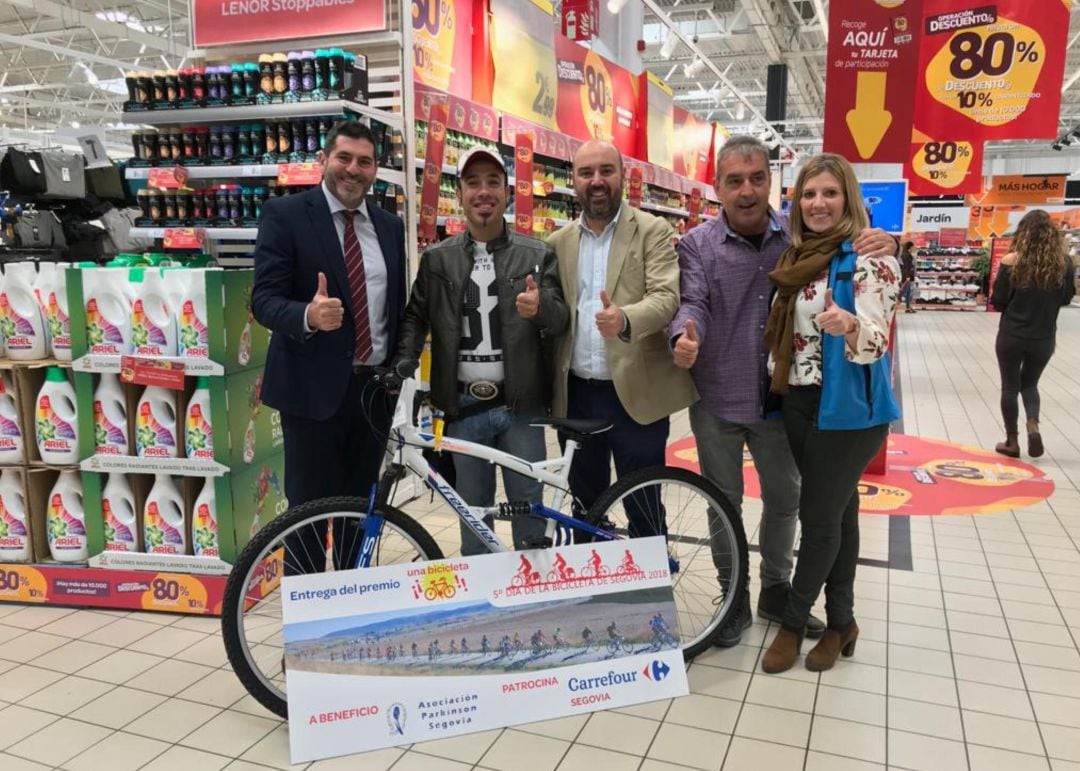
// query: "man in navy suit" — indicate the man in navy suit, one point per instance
point(330, 284)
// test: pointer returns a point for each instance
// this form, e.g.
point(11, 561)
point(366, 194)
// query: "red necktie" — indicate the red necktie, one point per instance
point(354, 267)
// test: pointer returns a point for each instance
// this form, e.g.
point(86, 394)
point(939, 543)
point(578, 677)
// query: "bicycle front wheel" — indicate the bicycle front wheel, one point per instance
point(317, 537)
point(706, 543)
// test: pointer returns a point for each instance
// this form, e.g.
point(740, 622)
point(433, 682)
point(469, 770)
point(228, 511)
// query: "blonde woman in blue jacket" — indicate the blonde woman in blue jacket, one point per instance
point(828, 334)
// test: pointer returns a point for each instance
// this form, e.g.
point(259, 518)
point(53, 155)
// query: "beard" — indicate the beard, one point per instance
point(605, 208)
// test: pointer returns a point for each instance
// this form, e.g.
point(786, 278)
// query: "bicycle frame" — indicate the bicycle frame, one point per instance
point(407, 442)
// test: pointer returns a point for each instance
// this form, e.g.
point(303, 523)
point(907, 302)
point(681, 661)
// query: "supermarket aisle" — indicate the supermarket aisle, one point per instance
point(970, 660)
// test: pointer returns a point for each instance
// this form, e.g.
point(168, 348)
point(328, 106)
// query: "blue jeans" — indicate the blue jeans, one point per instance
point(907, 293)
point(503, 430)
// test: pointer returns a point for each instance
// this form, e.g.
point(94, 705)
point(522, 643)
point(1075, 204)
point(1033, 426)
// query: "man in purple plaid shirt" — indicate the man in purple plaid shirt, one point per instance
point(725, 298)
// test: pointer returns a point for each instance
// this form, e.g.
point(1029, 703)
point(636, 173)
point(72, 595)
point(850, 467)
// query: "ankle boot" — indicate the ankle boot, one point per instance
point(781, 655)
point(1035, 445)
point(1010, 447)
point(834, 643)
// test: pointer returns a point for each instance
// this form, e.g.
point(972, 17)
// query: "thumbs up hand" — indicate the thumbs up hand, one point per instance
point(324, 313)
point(835, 320)
point(528, 302)
point(610, 321)
point(686, 347)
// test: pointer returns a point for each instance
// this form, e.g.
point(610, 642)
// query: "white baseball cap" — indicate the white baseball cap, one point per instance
point(479, 152)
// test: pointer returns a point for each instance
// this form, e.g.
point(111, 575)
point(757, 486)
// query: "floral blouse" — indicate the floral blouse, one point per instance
point(877, 287)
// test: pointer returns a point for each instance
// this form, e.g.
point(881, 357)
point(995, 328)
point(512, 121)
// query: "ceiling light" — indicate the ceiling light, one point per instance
point(614, 6)
point(740, 111)
point(668, 48)
point(694, 68)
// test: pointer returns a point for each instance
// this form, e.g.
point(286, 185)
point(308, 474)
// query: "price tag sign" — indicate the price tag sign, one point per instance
point(523, 171)
point(184, 238)
point(165, 178)
point(454, 226)
point(943, 167)
point(300, 174)
point(93, 148)
point(152, 372)
point(173, 591)
point(524, 56)
point(635, 188)
point(998, 68)
point(597, 104)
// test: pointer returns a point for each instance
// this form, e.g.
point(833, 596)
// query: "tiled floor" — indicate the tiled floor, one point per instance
point(969, 661)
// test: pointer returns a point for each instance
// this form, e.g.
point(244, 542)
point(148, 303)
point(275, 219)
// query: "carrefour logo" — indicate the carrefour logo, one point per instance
point(656, 671)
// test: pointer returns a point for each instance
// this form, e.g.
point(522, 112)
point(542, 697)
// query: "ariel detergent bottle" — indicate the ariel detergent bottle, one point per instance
point(200, 434)
point(11, 435)
point(153, 323)
point(21, 322)
point(204, 526)
point(15, 544)
point(54, 305)
point(65, 520)
point(155, 425)
point(243, 354)
point(108, 311)
point(193, 337)
point(110, 417)
point(118, 511)
point(56, 423)
point(163, 518)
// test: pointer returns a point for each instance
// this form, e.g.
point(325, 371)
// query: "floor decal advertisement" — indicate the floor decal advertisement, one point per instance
point(925, 477)
point(405, 653)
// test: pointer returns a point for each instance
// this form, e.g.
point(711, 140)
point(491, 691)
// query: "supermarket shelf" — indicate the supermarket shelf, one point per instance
point(127, 464)
point(99, 363)
point(221, 234)
point(664, 209)
point(393, 176)
point(261, 111)
point(171, 563)
point(929, 273)
point(452, 171)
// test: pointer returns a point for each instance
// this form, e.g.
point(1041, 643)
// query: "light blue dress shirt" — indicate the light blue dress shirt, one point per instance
point(589, 358)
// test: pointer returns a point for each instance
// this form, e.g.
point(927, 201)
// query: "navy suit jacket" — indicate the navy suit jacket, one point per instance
point(307, 375)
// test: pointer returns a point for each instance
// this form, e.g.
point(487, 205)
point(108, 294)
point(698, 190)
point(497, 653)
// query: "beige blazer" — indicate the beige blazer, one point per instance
point(642, 280)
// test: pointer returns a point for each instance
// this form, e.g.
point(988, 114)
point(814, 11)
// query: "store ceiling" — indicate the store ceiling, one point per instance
point(62, 61)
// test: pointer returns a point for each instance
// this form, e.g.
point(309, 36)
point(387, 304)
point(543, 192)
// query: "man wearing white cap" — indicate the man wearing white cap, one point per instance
point(492, 301)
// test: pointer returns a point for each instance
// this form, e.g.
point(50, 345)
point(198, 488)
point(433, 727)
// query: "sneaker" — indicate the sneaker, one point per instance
point(730, 633)
point(770, 606)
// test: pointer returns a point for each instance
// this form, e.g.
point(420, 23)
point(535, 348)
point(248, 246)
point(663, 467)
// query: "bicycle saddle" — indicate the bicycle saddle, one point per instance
point(574, 428)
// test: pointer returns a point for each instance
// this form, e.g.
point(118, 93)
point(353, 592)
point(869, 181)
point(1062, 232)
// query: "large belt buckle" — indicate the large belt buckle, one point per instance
point(483, 390)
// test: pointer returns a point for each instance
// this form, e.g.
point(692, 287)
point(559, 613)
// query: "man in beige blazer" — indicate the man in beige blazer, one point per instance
point(620, 279)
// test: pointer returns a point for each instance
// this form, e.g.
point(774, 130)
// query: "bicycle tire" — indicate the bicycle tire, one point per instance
point(698, 544)
point(240, 646)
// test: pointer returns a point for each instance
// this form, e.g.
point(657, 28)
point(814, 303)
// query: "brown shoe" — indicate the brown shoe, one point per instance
point(781, 655)
point(1035, 445)
point(1010, 447)
point(834, 643)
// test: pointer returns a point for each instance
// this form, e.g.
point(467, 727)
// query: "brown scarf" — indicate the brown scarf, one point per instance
point(798, 266)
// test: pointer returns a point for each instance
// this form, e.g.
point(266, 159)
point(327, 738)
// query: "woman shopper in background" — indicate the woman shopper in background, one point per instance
point(907, 276)
point(1036, 278)
point(828, 334)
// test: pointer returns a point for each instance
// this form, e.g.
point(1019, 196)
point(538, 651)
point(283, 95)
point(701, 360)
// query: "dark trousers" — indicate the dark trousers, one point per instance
point(1021, 361)
point(633, 446)
point(335, 457)
point(830, 463)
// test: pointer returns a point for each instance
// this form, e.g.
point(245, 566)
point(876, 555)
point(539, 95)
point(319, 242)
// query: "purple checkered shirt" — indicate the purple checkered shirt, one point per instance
point(725, 288)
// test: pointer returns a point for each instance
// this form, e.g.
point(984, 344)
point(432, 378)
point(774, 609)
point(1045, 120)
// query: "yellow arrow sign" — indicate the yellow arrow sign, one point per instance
point(869, 121)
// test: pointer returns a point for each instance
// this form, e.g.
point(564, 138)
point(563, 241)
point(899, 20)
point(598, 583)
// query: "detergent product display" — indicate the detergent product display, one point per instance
point(119, 515)
point(155, 424)
point(107, 303)
point(199, 436)
point(15, 541)
point(193, 336)
point(204, 524)
point(54, 304)
point(65, 519)
point(110, 417)
point(153, 319)
point(163, 518)
point(21, 322)
point(12, 448)
point(56, 422)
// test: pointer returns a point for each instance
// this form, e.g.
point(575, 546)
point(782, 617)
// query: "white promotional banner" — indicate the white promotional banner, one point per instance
point(405, 653)
point(929, 218)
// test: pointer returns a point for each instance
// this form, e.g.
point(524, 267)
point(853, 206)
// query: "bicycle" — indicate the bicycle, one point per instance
point(707, 552)
point(619, 644)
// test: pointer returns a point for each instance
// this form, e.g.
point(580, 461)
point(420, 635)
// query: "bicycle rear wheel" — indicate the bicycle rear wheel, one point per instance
point(706, 543)
point(251, 609)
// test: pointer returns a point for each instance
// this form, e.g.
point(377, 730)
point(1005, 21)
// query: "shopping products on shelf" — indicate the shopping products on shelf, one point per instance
point(204, 525)
point(12, 448)
point(199, 436)
point(224, 205)
point(155, 425)
point(56, 420)
point(15, 541)
point(21, 321)
point(153, 317)
point(108, 312)
point(285, 140)
point(189, 289)
point(119, 514)
point(163, 518)
point(110, 418)
point(52, 295)
point(65, 519)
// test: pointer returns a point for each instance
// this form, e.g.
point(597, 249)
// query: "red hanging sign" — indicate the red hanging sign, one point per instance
point(938, 166)
point(694, 208)
point(433, 159)
point(183, 238)
point(871, 63)
point(466, 116)
point(228, 22)
point(635, 188)
point(580, 19)
point(523, 190)
point(299, 174)
point(999, 247)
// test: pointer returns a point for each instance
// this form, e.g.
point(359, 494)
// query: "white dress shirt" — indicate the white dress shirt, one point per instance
point(375, 274)
point(589, 357)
